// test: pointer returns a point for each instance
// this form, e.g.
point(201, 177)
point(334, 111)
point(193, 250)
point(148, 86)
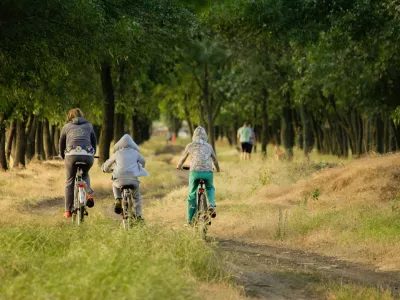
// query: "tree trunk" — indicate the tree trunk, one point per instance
point(132, 126)
point(30, 139)
point(119, 124)
point(207, 98)
point(3, 158)
point(287, 132)
point(56, 140)
point(308, 136)
point(187, 114)
point(10, 139)
point(379, 135)
point(39, 141)
point(47, 143)
point(106, 134)
point(264, 113)
point(19, 159)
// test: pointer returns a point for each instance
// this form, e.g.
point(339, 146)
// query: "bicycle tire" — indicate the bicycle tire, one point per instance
point(125, 210)
point(81, 207)
point(202, 216)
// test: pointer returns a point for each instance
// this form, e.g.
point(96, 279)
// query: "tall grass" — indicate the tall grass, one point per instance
point(99, 260)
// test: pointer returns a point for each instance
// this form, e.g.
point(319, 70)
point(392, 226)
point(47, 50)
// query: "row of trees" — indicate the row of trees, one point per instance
point(102, 56)
point(319, 74)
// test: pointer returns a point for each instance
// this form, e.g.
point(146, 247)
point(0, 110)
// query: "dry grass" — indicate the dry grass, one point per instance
point(328, 205)
point(32, 204)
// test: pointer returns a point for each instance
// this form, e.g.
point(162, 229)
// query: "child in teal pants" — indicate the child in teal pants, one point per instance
point(202, 158)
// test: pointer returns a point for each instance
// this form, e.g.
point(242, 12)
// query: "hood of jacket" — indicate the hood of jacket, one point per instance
point(126, 142)
point(79, 120)
point(199, 135)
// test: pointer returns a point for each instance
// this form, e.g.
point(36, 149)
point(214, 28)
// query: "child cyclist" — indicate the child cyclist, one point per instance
point(129, 165)
point(202, 156)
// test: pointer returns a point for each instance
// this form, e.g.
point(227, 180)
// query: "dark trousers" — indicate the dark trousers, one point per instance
point(71, 169)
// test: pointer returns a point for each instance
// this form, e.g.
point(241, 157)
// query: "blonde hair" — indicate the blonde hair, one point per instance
point(74, 113)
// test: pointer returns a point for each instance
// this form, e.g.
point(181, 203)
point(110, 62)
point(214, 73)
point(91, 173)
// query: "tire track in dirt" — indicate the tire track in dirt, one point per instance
point(269, 272)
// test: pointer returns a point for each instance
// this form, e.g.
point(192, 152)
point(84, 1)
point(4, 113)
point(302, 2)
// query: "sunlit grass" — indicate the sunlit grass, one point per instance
point(99, 260)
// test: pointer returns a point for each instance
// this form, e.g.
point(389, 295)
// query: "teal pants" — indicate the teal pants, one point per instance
point(194, 179)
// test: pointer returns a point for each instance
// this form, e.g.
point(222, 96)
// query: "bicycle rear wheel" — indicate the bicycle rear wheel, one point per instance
point(81, 205)
point(202, 216)
point(127, 209)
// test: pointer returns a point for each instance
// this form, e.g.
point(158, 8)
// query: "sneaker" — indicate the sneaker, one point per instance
point(67, 214)
point(212, 212)
point(118, 207)
point(89, 200)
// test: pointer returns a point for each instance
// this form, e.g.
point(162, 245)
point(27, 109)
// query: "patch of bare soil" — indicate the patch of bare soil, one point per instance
point(268, 272)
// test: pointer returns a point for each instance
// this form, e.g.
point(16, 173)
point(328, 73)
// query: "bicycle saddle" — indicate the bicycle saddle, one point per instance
point(127, 187)
point(79, 163)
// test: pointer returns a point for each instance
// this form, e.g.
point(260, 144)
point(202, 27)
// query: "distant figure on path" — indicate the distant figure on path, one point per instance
point(244, 134)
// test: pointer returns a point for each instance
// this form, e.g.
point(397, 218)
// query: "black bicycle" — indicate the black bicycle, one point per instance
point(202, 217)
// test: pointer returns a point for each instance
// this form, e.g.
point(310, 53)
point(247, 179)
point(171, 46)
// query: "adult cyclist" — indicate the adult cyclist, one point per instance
point(77, 144)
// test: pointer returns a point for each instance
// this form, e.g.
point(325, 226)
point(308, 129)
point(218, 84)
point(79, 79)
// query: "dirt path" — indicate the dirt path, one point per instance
point(268, 272)
point(265, 272)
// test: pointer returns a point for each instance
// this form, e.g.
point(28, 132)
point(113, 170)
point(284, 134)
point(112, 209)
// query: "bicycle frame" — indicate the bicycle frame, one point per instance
point(128, 207)
point(80, 187)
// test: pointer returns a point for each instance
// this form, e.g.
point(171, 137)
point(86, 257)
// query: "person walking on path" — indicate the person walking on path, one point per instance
point(244, 135)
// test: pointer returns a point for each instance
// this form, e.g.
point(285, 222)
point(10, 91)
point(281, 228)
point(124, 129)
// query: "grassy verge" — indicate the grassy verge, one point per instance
point(100, 260)
point(44, 257)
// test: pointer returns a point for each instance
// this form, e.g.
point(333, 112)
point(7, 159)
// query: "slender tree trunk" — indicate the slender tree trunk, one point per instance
point(47, 143)
point(30, 139)
point(187, 114)
point(287, 132)
point(308, 137)
point(10, 139)
point(3, 158)
point(207, 98)
point(106, 134)
point(39, 141)
point(119, 124)
point(264, 113)
point(379, 135)
point(19, 159)
point(56, 140)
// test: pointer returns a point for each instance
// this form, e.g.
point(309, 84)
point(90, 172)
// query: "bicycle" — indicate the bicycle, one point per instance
point(80, 190)
point(128, 206)
point(79, 210)
point(202, 217)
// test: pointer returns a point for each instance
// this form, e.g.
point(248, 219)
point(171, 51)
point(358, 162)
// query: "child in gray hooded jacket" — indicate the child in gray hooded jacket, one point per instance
point(129, 165)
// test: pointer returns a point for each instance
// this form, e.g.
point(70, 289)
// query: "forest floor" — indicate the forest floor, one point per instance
point(285, 230)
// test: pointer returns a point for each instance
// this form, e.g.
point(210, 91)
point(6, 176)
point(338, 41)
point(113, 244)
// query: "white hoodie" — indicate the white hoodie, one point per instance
point(129, 163)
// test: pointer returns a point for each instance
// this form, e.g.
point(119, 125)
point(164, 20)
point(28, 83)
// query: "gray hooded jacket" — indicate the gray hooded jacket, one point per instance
point(129, 164)
point(77, 133)
point(202, 153)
